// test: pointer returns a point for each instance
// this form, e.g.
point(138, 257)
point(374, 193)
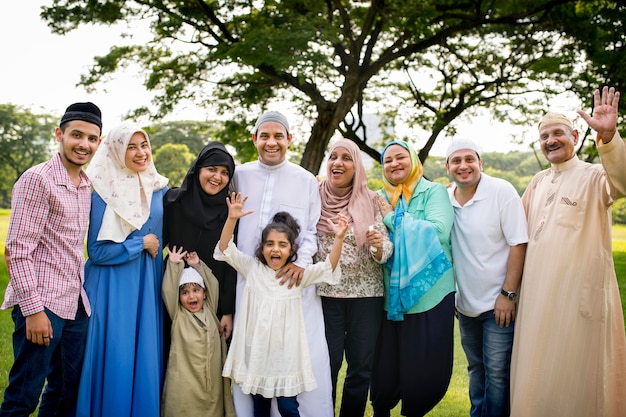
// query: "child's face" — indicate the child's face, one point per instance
point(276, 250)
point(191, 297)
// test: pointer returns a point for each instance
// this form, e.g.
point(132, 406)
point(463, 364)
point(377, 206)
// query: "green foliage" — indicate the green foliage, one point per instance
point(435, 167)
point(26, 139)
point(173, 161)
point(194, 134)
point(238, 135)
point(374, 184)
point(518, 163)
point(333, 59)
point(618, 211)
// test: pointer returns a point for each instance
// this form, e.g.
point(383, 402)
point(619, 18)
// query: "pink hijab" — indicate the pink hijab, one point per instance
point(359, 203)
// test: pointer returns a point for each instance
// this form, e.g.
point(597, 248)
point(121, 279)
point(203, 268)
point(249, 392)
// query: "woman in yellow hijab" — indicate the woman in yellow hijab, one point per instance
point(413, 360)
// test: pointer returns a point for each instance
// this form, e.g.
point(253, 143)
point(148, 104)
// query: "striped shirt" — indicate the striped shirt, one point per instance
point(45, 241)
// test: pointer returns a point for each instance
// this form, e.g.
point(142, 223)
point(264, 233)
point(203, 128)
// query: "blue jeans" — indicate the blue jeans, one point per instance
point(60, 363)
point(287, 406)
point(488, 350)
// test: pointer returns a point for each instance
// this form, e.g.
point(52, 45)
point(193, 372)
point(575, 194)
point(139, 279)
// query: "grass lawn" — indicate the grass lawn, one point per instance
point(455, 403)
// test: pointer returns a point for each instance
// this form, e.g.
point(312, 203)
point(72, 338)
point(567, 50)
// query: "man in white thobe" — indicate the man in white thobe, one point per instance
point(274, 184)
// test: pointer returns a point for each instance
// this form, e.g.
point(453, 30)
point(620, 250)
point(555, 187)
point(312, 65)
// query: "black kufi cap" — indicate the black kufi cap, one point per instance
point(87, 112)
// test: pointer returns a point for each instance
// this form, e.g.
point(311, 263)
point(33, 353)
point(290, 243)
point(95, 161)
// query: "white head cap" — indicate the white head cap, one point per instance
point(459, 144)
point(191, 275)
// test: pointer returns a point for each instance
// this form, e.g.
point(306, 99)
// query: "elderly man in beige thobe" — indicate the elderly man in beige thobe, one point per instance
point(569, 353)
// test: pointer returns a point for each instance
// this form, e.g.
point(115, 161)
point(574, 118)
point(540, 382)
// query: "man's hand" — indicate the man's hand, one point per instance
point(292, 273)
point(504, 311)
point(604, 120)
point(38, 329)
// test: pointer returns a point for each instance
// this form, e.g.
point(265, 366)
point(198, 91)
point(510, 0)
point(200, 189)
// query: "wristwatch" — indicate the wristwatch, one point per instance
point(511, 295)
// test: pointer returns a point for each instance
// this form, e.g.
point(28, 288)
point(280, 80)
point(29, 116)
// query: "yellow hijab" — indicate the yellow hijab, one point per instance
point(406, 189)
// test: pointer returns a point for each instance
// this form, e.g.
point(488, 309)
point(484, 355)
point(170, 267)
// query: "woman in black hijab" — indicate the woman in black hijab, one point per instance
point(194, 216)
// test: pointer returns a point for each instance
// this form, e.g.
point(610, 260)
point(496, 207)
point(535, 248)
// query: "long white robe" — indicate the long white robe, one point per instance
point(569, 352)
point(286, 187)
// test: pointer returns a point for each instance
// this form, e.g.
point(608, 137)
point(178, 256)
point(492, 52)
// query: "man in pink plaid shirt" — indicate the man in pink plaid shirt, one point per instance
point(45, 257)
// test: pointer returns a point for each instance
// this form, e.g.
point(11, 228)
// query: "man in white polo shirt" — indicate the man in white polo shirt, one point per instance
point(489, 239)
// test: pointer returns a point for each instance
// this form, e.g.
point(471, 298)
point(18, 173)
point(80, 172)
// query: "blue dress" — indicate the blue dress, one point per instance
point(123, 371)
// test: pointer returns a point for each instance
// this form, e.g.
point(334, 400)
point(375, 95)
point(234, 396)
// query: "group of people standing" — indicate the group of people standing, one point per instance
point(246, 244)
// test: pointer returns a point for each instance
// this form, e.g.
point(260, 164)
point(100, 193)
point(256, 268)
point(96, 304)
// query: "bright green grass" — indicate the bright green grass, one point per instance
point(455, 403)
point(6, 324)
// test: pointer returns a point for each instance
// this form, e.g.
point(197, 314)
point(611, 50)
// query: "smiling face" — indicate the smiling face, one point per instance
point(79, 141)
point(191, 296)
point(271, 141)
point(276, 249)
point(397, 164)
point(340, 168)
point(464, 166)
point(213, 179)
point(138, 154)
point(557, 142)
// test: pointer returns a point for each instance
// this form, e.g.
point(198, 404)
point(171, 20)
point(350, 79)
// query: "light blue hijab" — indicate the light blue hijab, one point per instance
point(418, 260)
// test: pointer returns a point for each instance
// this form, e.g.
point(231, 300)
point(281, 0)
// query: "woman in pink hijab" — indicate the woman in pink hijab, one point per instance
point(353, 309)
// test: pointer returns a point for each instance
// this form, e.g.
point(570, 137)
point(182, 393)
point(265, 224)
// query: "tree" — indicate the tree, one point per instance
point(329, 58)
point(173, 161)
point(192, 133)
point(26, 139)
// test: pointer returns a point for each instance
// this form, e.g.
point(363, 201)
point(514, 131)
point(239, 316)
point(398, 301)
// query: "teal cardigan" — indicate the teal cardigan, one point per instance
point(430, 201)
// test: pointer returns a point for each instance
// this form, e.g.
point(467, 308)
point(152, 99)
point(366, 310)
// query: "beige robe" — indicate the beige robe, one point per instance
point(569, 352)
point(194, 385)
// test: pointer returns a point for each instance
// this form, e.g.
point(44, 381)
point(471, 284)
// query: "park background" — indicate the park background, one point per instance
point(511, 62)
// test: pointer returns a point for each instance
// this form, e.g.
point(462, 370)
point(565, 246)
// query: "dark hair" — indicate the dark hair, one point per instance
point(282, 222)
point(190, 284)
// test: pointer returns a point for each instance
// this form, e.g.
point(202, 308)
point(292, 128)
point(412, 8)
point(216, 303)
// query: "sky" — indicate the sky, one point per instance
point(40, 71)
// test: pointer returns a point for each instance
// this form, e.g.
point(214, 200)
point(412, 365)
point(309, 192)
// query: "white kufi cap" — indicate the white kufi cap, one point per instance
point(191, 275)
point(459, 144)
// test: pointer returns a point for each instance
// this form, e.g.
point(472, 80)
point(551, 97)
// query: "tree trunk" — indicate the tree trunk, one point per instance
point(323, 130)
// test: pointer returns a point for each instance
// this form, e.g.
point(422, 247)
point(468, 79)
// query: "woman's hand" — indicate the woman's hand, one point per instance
point(384, 206)
point(151, 244)
point(375, 242)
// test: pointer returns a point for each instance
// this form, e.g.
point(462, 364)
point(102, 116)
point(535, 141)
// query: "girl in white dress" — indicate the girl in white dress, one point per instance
point(269, 354)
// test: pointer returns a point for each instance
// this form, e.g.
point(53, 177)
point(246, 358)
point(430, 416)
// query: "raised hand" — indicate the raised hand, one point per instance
point(604, 119)
point(341, 227)
point(176, 255)
point(192, 259)
point(235, 206)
